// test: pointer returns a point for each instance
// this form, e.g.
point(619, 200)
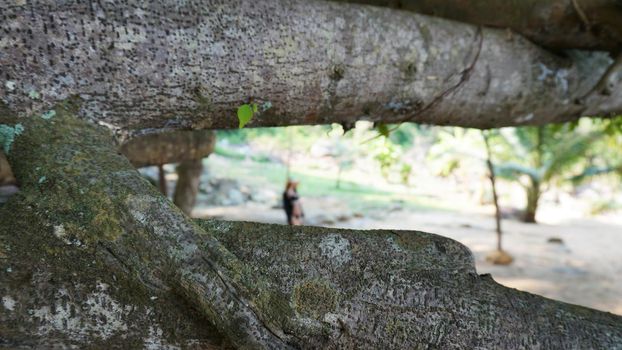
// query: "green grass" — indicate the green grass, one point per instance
point(233, 154)
point(360, 197)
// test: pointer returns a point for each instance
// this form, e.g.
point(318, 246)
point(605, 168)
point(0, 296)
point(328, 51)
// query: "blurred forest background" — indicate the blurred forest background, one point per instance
point(559, 192)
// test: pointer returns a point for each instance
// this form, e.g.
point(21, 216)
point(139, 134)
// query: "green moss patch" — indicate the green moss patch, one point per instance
point(314, 298)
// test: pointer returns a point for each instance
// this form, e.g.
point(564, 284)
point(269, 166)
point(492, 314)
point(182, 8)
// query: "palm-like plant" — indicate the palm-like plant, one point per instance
point(606, 155)
point(536, 156)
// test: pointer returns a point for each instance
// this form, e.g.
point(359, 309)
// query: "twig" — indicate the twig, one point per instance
point(584, 19)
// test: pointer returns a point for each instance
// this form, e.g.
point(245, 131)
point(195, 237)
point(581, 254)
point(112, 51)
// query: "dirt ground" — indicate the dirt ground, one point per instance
point(585, 269)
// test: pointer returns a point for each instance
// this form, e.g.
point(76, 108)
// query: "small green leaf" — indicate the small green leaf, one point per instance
point(42, 179)
point(245, 113)
point(383, 130)
point(255, 107)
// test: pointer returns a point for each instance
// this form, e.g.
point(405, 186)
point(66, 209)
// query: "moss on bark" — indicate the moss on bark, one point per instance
point(80, 194)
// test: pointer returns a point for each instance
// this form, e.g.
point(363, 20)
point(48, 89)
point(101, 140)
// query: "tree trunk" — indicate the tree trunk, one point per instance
point(187, 147)
point(162, 180)
point(411, 289)
point(493, 185)
point(533, 188)
point(163, 65)
point(92, 255)
point(556, 24)
point(79, 196)
point(533, 196)
point(187, 188)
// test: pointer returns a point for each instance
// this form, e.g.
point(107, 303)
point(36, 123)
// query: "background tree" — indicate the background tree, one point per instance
point(536, 156)
point(604, 161)
point(499, 256)
point(188, 148)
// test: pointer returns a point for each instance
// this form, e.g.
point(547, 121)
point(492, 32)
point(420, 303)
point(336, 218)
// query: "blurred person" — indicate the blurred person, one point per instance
point(291, 203)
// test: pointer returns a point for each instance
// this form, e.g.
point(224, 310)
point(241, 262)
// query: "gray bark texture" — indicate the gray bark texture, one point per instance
point(191, 64)
point(92, 256)
point(555, 24)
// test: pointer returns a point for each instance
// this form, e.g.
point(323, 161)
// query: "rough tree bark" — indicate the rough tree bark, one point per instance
point(556, 24)
point(192, 64)
point(77, 189)
point(91, 254)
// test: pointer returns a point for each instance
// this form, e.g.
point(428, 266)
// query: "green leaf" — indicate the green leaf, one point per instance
point(255, 107)
point(245, 114)
point(383, 130)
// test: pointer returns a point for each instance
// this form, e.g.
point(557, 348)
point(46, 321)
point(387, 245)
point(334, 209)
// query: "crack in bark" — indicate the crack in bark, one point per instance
point(601, 87)
point(582, 15)
point(465, 75)
point(128, 269)
point(277, 333)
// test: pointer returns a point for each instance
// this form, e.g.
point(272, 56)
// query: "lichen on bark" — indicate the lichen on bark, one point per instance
point(402, 289)
point(93, 198)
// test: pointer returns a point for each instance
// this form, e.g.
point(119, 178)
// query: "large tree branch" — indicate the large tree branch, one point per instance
point(77, 187)
point(556, 24)
point(191, 65)
point(352, 280)
point(88, 242)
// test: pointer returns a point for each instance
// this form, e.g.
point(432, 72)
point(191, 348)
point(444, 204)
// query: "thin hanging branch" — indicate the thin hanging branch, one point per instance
point(495, 197)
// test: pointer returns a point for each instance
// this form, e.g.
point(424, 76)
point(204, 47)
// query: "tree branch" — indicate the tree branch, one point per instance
point(86, 223)
point(142, 67)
